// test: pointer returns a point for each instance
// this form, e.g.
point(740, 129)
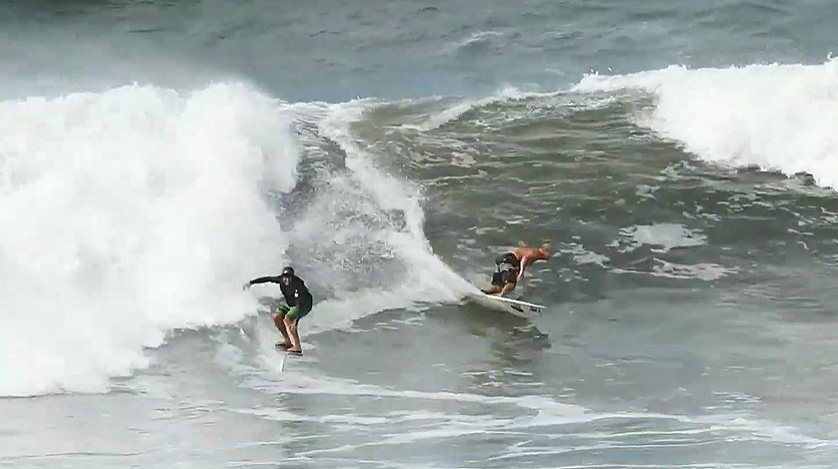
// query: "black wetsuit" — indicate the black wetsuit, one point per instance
point(296, 293)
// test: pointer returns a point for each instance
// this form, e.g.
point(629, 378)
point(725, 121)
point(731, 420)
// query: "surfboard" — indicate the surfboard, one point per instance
point(506, 305)
point(285, 353)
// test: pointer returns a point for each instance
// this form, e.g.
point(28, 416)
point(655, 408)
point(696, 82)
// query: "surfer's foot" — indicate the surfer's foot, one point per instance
point(283, 345)
point(295, 351)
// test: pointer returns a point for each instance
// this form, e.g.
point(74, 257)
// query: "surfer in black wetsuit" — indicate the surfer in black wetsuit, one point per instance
point(299, 303)
point(506, 276)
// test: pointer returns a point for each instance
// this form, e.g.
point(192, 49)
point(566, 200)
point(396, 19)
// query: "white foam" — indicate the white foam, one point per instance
point(540, 413)
point(348, 244)
point(428, 278)
point(776, 117)
point(666, 236)
point(126, 214)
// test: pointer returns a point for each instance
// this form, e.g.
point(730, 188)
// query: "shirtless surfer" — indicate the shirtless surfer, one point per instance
point(511, 267)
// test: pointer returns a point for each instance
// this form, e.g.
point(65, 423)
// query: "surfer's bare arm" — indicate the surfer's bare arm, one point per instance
point(259, 280)
point(524, 262)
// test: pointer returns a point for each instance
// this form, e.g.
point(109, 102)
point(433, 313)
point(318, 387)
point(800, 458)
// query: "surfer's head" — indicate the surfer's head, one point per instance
point(544, 250)
point(287, 274)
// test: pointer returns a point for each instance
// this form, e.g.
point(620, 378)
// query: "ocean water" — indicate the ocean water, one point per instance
point(681, 158)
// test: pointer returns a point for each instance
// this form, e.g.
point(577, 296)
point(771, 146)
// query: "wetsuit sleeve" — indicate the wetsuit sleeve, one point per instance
point(268, 279)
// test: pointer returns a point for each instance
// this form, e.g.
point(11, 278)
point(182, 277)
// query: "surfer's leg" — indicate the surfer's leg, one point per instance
point(291, 325)
point(494, 289)
point(280, 324)
point(497, 284)
point(509, 279)
point(507, 288)
point(292, 319)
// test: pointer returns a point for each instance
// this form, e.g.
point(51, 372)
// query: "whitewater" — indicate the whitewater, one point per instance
point(138, 211)
point(775, 117)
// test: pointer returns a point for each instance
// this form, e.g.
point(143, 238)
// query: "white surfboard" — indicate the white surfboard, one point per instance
point(284, 356)
point(507, 305)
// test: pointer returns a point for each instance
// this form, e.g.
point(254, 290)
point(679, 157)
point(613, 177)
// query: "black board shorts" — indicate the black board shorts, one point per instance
point(503, 277)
